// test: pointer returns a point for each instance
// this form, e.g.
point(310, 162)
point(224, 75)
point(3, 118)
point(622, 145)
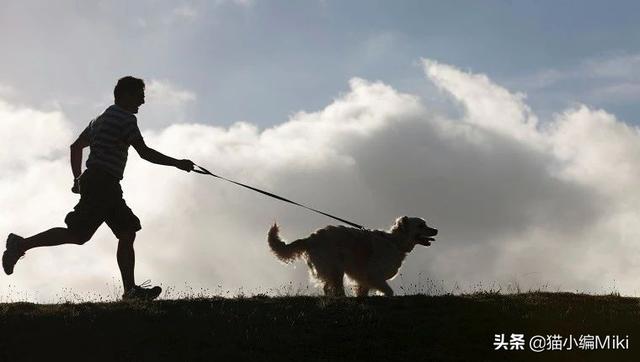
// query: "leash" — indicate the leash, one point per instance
point(204, 171)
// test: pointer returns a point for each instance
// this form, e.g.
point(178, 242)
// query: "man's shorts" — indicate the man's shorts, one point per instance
point(100, 201)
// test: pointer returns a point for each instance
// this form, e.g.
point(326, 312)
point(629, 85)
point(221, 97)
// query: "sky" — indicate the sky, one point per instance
point(511, 126)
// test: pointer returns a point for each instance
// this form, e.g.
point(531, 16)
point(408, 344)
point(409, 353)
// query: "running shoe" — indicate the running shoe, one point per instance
point(143, 291)
point(12, 254)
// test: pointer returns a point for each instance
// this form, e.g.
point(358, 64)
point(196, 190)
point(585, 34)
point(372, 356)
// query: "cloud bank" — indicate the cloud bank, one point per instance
point(517, 199)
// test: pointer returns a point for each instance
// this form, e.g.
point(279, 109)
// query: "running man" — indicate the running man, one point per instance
point(109, 137)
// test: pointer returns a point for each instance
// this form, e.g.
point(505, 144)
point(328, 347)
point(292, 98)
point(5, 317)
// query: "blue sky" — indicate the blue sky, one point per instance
point(261, 61)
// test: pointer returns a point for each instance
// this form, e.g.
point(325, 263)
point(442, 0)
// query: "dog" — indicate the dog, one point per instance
point(369, 257)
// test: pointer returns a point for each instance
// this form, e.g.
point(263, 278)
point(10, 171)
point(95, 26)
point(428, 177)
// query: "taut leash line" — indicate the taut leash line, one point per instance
point(204, 171)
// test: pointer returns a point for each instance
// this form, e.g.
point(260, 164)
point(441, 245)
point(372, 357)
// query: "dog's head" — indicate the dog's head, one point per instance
point(412, 231)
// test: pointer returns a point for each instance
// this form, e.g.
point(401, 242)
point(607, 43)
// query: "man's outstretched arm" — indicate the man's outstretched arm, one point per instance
point(149, 154)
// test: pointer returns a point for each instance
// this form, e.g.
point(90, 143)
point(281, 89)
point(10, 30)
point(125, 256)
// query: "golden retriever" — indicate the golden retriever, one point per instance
point(369, 257)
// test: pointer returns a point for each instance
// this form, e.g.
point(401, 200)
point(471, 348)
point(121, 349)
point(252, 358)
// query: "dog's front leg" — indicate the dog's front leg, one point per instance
point(334, 289)
point(362, 291)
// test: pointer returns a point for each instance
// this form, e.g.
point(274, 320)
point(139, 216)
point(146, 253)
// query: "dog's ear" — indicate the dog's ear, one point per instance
point(401, 224)
point(404, 222)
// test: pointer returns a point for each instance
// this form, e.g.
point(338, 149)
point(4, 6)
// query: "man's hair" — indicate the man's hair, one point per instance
point(127, 85)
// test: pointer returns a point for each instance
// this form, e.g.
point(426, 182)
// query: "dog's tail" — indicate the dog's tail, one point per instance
point(285, 252)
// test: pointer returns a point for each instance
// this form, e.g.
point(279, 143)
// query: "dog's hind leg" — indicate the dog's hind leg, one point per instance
point(333, 285)
point(328, 289)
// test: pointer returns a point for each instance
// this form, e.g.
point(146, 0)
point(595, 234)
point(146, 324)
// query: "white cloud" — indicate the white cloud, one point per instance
point(183, 14)
point(185, 11)
point(166, 103)
point(617, 93)
point(610, 68)
point(29, 135)
point(6, 91)
point(378, 45)
point(625, 67)
point(165, 92)
point(514, 200)
point(613, 79)
point(242, 3)
point(487, 105)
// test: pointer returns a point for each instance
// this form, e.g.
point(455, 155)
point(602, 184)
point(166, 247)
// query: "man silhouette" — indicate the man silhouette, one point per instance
point(109, 137)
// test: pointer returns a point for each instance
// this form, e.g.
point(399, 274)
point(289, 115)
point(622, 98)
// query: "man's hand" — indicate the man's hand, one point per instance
point(76, 158)
point(76, 186)
point(185, 165)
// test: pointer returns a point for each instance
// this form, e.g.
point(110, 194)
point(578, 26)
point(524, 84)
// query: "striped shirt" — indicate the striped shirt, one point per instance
point(110, 136)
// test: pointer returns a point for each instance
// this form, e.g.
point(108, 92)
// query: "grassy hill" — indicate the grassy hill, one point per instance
point(407, 328)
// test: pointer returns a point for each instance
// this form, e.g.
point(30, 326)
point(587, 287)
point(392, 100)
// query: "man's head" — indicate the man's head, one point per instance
point(129, 93)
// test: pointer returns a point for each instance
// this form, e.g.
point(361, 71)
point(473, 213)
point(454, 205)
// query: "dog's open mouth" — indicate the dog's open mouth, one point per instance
point(425, 240)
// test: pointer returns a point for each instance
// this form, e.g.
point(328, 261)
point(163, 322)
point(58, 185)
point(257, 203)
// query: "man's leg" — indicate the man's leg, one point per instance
point(51, 237)
point(17, 246)
point(127, 259)
point(126, 262)
point(124, 224)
